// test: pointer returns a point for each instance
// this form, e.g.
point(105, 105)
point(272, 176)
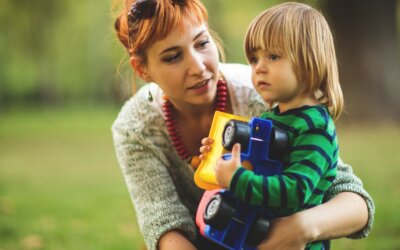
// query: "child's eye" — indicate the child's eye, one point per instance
point(274, 57)
point(172, 58)
point(253, 60)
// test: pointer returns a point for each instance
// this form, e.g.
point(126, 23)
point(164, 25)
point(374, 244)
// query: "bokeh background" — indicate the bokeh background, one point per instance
point(64, 76)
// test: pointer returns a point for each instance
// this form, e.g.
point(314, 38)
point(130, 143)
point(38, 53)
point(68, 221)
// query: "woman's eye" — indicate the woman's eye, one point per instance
point(203, 43)
point(172, 58)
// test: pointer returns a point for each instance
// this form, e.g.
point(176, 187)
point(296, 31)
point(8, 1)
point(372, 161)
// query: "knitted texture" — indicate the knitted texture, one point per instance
point(160, 184)
point(346, 181)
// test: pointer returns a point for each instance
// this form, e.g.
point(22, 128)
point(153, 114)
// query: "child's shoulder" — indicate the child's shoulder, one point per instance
point(301, 119)
point(319, 115)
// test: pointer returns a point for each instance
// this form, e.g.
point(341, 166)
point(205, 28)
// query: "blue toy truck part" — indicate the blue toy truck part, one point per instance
point(226, 220)
point(261, 144)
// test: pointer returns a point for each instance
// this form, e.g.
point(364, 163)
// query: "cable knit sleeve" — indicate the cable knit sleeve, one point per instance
point(347, 181)
point(150, 184)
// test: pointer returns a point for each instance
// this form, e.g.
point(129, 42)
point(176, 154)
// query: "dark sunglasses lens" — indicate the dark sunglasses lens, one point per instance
point(179, 2)
point(143, 9)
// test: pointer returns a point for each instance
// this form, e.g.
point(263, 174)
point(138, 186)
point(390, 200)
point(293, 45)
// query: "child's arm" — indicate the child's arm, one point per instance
point(306, 177)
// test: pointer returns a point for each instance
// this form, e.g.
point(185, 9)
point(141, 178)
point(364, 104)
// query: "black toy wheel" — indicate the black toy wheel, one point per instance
point(236, 132)
point(258, 231)
point(279, 144)
point(218, 212)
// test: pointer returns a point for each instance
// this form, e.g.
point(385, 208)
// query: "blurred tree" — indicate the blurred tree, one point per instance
point(55, 52)
point(67, 51)
point(366, 33)
point(25, 40)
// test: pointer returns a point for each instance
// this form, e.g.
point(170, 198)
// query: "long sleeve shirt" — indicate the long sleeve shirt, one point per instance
point(309, 166)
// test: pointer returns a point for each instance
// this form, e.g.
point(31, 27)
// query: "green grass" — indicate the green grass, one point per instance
point(374, 154)
point(61, 187)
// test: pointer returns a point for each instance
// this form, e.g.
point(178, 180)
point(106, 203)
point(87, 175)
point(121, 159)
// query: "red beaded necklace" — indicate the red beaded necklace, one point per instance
point(172, 126)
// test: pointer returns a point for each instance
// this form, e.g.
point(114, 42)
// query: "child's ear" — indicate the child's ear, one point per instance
point(140, 68)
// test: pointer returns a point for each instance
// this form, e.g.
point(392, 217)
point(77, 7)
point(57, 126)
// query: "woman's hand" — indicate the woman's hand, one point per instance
point(225, 169)
point(287, 233)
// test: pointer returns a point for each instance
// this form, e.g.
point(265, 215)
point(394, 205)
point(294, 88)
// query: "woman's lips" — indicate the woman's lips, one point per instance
point(201, 87)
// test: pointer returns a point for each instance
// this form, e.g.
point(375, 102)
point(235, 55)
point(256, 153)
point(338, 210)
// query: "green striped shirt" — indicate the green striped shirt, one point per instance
point(309, 164)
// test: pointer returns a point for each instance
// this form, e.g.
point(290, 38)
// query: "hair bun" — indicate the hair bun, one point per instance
point(117, 24)
point(142, 9)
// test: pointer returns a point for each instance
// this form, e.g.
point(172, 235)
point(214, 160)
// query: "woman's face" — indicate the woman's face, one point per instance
point(185, 65)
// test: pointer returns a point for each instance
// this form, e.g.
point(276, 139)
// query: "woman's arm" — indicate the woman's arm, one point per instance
point(345, 214)
point(158, 206)
point(349, 213)
point(175, 240)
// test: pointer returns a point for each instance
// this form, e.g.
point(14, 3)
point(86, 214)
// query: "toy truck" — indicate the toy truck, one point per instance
point(221, 217)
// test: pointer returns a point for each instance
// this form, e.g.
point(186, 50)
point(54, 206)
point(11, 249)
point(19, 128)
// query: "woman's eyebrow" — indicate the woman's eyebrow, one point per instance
point(177, 47)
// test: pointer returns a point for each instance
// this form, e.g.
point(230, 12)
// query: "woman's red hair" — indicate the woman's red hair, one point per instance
point(167, 16)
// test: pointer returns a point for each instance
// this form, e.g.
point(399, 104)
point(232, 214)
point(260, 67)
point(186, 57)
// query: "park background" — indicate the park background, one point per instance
point(64, 77)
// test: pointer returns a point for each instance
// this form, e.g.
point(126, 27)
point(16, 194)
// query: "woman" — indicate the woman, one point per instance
point(159, 130)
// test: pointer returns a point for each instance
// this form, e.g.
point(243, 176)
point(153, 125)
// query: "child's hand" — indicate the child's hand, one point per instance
point(206, 142)
point(225, 168)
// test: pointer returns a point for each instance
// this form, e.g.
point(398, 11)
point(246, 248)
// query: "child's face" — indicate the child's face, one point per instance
point(274, 78)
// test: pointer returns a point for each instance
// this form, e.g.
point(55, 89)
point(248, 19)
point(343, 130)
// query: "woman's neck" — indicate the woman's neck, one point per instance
point(188, 124)
point(191, 111)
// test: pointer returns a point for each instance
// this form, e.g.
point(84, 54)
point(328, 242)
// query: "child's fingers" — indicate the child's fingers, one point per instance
point(205, 149)
point(207, 141)
point(202, 157)
point(218, 164)
point(236, 152)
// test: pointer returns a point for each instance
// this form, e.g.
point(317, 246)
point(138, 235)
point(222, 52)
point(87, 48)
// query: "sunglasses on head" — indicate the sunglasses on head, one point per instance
point(140, 10)
point(144, 9)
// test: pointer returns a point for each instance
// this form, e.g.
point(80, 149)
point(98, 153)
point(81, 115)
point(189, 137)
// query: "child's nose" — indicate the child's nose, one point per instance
point(261, 68)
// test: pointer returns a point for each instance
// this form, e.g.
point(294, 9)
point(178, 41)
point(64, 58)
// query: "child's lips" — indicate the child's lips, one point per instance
point(263, 83)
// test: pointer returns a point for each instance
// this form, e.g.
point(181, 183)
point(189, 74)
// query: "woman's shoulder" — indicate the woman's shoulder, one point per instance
point(237, 74)
point(245, 99)
point(138, 114)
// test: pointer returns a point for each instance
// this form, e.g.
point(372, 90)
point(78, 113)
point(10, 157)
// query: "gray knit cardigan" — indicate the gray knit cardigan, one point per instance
point(161, 185)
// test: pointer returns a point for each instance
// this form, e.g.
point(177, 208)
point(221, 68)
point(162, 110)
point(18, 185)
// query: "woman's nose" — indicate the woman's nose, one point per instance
point(196, 64)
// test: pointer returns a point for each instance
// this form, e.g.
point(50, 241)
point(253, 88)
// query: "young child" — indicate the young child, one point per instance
point(292, 56)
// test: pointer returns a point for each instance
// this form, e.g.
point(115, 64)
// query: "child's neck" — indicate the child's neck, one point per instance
point(298, 102)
